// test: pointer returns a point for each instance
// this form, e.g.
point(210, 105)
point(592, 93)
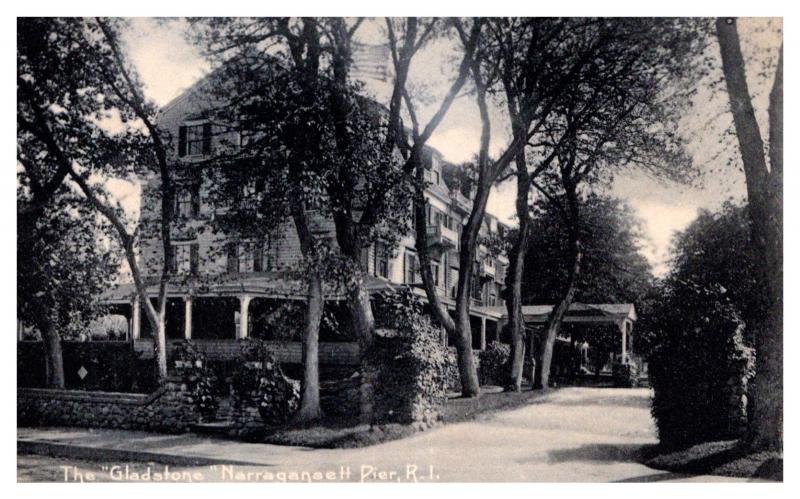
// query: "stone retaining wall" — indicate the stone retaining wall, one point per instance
point(170, 409)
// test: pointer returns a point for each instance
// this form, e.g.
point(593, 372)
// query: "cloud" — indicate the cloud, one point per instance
point(166, 62)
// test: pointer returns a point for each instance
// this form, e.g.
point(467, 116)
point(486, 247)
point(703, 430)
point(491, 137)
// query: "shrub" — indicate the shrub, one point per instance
point(494, 364)
point(625, 375)
point(259, 381)
point(700, 362)
point(397, 309)
point(192, 366)
point(407, 369)
point(452, 376)
point(699, 375)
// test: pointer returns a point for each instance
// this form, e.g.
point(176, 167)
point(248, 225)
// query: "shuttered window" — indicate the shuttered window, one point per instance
point(194, 140)
point(185, 258)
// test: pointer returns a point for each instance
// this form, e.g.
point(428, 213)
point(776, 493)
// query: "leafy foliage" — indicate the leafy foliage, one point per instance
point(494, 364)
point(715, 254)
point(259, 380)
point(294, 149)
point(61, 269)
point(701, 365)
point(194, 369)
point(614, 268)
point(411, 373)
point(398, 309)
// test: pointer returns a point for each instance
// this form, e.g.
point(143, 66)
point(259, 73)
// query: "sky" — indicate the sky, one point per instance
point(168, 64)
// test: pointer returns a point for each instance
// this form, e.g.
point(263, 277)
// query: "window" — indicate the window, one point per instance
point(435, 272)
point(185, 258)
point(246, 257)
point(187, 201)
point(436, 177)
point(381, 261)
point(411, 270)
point(477, 288)
point(194, 140)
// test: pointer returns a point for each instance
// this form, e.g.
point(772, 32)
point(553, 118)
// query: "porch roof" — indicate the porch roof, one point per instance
point(264, 284)
point(610, 313)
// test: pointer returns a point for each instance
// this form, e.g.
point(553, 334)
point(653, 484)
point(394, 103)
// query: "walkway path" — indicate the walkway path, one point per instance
point(573, 434)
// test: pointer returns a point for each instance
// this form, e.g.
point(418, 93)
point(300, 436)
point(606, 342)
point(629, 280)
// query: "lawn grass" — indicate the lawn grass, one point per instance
point(492, 400)
point(723, 458)
point(351, 434)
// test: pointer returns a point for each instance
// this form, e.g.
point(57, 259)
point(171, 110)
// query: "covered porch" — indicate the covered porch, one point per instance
point(621, 315)
point(242, 307)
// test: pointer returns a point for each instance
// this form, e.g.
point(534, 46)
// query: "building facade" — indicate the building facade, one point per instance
point(225, 287)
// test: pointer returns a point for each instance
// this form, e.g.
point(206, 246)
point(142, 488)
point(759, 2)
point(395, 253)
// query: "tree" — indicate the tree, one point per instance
point(700, 330)
point(612, 235)
point(413, 151)
point(61, 270)
point(714, 251)
point(618, 112)
point(615, 269)
point(72, 79)
point(481, 61)
point(765, 206)
point(522, 45)
point(315, 140)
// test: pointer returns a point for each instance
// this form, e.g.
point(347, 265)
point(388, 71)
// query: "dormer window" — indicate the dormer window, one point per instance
point(194, 140)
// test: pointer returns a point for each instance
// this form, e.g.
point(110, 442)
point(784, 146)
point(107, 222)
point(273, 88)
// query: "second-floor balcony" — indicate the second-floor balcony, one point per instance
point(488, 269)
point(442, 237)
point(461, 201)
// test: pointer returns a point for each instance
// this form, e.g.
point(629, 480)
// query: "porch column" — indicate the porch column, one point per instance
point(623, 329)
point(244, 318)
point(532, 354)
point(483, 333)
point(187, 321)
point(629, 329)
point(136, 319)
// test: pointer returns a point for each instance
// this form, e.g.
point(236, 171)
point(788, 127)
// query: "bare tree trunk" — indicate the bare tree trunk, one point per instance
point(127, 241)
point(160, 341)
point(516, 320)
point(440, 312)
point(361, 315)
point(469, 246)
point(764, 196)
point(138, 104)
point(53, 359)
point(309, 402)
point(557, 315)
point(309, 409)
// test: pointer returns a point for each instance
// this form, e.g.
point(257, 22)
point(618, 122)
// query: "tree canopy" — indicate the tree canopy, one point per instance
point(615, 270)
